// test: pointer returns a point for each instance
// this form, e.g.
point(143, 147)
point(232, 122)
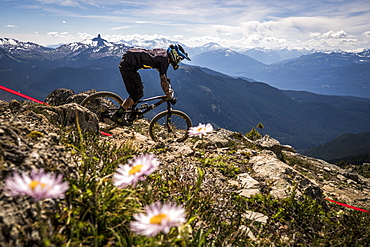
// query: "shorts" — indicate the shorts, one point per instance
point(132, 80)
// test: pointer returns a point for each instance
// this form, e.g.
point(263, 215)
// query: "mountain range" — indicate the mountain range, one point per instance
point(354, 148)
point(328, 73)
point(271, 56)
point(300, 119)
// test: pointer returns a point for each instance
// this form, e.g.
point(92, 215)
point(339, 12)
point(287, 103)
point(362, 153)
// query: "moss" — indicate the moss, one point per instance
point(35, 134)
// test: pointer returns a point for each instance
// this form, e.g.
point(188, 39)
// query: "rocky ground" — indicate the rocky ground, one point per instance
point(29, 139)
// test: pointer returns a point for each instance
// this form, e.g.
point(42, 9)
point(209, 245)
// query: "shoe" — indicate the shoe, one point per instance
point(117, 116)
point(123, 117)
point(127, 119)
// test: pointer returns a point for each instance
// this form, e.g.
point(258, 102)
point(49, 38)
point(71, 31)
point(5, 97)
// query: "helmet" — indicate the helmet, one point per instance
point(176, 54)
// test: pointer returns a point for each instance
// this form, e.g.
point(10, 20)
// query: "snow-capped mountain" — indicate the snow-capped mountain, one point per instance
point(93, 48)
point(14, 46)
point(100, 45)
point(270, 56)
point(226, 61)
point(193, 51)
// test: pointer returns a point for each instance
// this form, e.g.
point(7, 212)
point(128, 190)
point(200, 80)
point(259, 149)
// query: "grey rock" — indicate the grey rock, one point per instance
point(269, 143)
point(71, 114)
point(59, 96)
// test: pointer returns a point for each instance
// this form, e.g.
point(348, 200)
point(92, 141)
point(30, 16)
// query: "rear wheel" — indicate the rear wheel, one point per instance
point(165, 126)
point(103, 104)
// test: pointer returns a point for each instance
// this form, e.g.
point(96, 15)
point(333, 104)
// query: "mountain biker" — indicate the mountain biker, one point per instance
point(139, 58)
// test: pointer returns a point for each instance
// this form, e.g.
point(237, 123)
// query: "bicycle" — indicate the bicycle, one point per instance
point(166, 125)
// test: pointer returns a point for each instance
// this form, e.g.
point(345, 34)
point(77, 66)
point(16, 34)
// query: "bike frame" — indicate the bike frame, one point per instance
point(148, 108)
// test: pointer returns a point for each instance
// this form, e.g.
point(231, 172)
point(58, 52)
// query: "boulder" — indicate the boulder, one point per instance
point(59, 96)
point(269, 143)
point(282, 178)
point(68, 114)
point(63, 96)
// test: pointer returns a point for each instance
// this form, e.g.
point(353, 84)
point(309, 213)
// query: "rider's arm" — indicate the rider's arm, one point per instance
point(166, 86)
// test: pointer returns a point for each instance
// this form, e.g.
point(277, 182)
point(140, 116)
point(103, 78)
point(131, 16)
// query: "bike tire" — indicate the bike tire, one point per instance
point(103, 104)
point(180, 123)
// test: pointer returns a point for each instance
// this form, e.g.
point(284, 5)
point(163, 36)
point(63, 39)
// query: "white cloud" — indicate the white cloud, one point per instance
point(137, 37)
point(144, 22)
point(238, 22)
point(260, 41)
point(227, 34)
point(53, 34)
point(178, 37)
point(85, 36)
point(11, 26)
point(71, 3)
point(335, 35)
point(366, 34)
point(60, 35)
point(331, 35)
point(306, 25)
point(315, 35)
point(67, 37)
point(120, 28)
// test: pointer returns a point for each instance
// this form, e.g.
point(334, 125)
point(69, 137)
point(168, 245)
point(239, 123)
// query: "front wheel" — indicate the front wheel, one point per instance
point(172, 125)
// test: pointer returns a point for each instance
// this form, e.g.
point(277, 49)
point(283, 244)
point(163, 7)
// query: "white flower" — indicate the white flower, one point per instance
point(39, 185)
point(158, 218)
point(200, 130)
point(135, 170)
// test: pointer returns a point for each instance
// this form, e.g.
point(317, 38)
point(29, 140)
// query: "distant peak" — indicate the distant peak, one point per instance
point(99, 40)
point(212, 45)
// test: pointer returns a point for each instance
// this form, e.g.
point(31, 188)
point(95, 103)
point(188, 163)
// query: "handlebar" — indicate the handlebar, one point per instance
point(173, 100)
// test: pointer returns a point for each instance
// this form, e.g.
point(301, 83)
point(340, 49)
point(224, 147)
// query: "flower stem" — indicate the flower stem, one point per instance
point(44, 239)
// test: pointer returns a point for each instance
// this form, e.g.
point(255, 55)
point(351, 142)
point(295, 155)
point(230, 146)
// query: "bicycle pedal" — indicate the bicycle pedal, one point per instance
point(126, 123)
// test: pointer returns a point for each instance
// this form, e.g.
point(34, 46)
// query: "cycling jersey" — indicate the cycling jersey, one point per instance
point(140, 58)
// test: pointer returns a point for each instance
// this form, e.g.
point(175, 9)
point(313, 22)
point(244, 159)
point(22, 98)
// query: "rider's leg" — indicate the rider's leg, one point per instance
point(134, 88)
point(134, 85)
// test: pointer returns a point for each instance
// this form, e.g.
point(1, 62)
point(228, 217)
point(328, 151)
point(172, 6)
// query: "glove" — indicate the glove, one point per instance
point(166, 87)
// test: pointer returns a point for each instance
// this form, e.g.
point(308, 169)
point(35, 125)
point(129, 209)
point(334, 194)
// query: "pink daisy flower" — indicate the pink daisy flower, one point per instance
point(158, 218)
point(200, 130)
point(39, 185)
point(135, 170)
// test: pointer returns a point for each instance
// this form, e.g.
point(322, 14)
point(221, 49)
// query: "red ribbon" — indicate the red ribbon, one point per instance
point(22, 95)
point(105, 133)
point(348, 206)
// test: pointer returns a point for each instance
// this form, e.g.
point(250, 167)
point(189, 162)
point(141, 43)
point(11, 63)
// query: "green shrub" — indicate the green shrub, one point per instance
point(253, 134)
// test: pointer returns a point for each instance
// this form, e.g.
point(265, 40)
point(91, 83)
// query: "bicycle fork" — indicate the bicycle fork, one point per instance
point(168, 120)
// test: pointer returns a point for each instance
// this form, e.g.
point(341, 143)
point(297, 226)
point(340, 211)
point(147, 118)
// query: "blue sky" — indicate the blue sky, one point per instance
point(318, 24)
